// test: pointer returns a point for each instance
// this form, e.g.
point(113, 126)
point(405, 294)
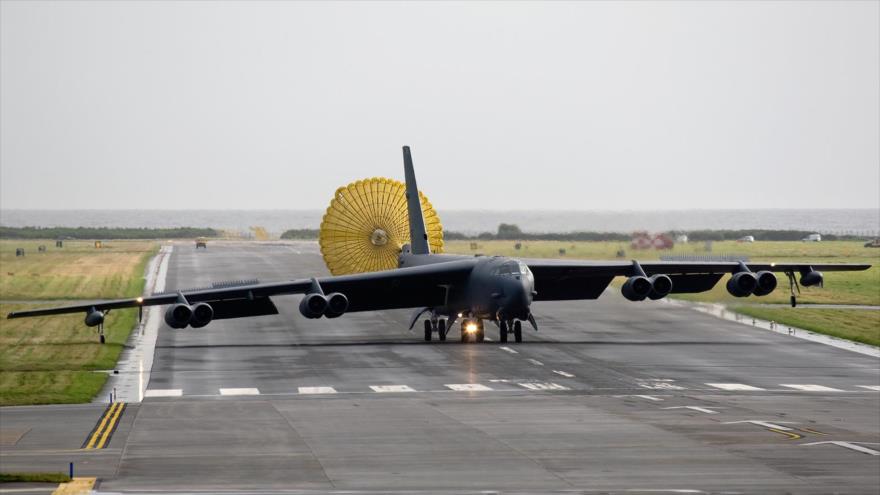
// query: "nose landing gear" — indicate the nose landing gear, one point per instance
point(438, 326)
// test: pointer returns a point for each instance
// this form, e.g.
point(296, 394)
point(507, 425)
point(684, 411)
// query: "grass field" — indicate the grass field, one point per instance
point(53, 359)
point(861, 288)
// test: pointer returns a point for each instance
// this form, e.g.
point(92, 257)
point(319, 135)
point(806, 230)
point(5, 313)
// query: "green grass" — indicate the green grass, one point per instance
point(857, 325)
point(860, 288)
point(21, 477)
point(48, 360)
point(76, 271)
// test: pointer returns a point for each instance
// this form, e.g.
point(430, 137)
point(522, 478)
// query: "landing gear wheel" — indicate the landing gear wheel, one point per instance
point(502, 331)
point(517, 331)
point(481, 333)
point(441, 330)
point(428, 330)
point(464, 334)
point(102, 338)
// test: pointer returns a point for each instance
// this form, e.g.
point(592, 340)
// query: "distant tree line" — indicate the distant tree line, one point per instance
point(104, 233)
point(300, 234)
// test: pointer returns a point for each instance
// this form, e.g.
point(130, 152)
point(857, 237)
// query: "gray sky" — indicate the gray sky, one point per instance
point(506, 105)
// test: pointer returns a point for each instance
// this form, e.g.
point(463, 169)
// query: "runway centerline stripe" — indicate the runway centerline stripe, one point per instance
point(316, 390)
point(104, 428)
point(810, 387)
point(563, 373)
point(733, 386)
point(239, 391)
point(870, 387)
point(167, 392)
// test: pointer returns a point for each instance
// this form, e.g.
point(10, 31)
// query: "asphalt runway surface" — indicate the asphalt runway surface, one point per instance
point(609, 395)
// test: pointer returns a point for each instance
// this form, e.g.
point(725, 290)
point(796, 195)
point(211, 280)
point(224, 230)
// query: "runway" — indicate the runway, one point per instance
point(609, 395)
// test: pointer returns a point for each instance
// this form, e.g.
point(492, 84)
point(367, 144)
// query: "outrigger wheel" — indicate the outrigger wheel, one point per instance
point(366, 226)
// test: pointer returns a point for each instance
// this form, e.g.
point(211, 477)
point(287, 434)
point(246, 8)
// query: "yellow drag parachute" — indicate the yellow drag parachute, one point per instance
point(366, 225)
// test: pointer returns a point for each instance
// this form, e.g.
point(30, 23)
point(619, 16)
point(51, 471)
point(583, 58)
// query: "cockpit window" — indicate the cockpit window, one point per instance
point(513, 269)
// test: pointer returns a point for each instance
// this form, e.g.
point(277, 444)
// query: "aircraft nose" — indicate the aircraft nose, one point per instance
point(517, 300)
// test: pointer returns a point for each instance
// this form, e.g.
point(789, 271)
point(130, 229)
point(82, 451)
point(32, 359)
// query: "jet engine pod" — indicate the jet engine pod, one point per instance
point(313, 305)
point(94, 318)
point(812, 278)
point(336, 305)
point(661, 286)
point(766, 283)
point(636, 288)
point(178, 315)
point(742, 284)
point(202, 314)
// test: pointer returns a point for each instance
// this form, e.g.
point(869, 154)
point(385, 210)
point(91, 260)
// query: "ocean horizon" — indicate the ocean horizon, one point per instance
point(824, 221)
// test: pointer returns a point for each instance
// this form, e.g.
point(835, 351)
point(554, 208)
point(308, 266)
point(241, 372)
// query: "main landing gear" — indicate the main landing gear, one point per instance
point(438, 326)
point(507, 327)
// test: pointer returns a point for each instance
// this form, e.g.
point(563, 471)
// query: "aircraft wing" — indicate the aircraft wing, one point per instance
point(401, 288)
point(574, 279)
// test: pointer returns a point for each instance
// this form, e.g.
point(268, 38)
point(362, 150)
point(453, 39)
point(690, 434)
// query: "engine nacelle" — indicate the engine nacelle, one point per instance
point(812, 278)
point(314, 305)
point(202, 314)
point(336, 305)
point(766, 283)
point(178, 315)
point(94, 318)
point(636, 288)
point(661, 286)
point(742, 284)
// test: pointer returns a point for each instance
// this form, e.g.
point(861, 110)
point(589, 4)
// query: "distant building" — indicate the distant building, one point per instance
point(812, 238)
point(682, 238)
point(746, 238)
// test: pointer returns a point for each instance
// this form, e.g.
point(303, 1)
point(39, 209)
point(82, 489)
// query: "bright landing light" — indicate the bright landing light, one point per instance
point(470, 328)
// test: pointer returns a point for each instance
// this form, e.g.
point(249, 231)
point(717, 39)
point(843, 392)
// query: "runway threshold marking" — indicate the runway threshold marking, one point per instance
point(543, 386)
point(316, 390)
point(810, 387)
point(100, 435)
point(391, 388)
point(167, 392)
point(239, 391)
point(468, 387)
point(734, 386)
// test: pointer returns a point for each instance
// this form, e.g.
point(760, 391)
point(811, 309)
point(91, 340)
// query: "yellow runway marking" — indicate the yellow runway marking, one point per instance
point(76, 486)
point(98, 438)
point(812, 431)
point(790, 435)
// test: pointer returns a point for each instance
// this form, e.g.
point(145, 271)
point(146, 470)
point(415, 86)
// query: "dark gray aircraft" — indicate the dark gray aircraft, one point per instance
point(448, 288)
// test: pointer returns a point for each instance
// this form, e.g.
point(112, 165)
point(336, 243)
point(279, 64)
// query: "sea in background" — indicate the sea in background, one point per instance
point(865, 222)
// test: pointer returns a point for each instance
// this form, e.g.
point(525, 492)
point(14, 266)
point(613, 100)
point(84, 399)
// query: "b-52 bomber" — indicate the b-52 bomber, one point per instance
point(375, 242)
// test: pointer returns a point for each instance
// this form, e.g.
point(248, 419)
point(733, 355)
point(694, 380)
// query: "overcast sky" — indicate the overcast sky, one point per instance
point(506, 105)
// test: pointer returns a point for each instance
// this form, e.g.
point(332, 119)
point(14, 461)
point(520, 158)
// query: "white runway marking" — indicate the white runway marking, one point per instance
point(564, 373)
point(811, 388)
point(535, 362)
point(166, 392)
point(508, 349)
point(694, 408)
point(649, 397)
point(316, 390)
point(733, 386)
point(849, 445)
point(543, 386)
point(239, 391)
point(391, 388)
point(765, 424)
point(870, 387)
point(468, 387)
point(661, 386)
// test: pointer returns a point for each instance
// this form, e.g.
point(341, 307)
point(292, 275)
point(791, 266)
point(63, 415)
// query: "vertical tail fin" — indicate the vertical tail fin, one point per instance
point(417, 233)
